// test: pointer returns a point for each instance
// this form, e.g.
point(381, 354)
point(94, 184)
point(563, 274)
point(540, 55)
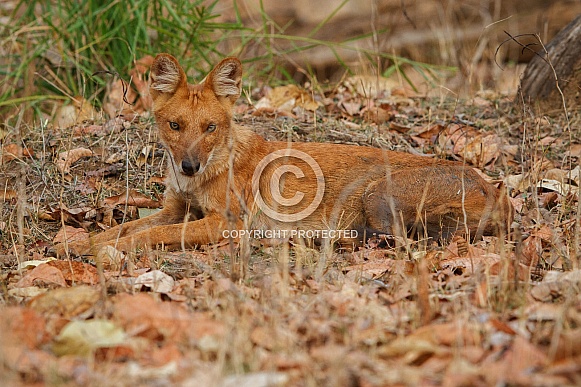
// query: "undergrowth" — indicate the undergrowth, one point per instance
point(59, 50)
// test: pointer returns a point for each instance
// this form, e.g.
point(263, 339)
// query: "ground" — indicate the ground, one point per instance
point(504, 310)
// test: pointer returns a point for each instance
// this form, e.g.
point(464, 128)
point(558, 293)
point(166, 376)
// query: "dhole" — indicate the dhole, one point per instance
point(212, 184)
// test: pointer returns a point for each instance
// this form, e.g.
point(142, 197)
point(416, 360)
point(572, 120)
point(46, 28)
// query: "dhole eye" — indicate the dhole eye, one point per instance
point(174, 125)
point(211, 128)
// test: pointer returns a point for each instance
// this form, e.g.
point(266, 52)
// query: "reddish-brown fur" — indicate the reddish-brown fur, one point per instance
point(212, 162)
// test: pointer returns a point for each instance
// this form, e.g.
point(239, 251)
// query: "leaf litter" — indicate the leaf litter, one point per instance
point(414, 313)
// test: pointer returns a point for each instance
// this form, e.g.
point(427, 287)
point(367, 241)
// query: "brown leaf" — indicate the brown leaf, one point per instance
point(142, 315)
point(286, 98)
point(522, 272)
point(77, 272)
point(428, 132)
point(515, 364)
point(481, 150)
point(264, 337)
point(398, 127)
point(68, 158)
point(531, 251)
point(26, 327)
point(71, 234)
point(351, 108)
point(139, 80)
point(370, 270)
point(10, 152)
point(42, 275)
point(370, 86)
point(569, 344)
point(132, 198)
point(68, 115)
point(67, 302)
point(117, 93)
point(378, 115)
point(90, 130)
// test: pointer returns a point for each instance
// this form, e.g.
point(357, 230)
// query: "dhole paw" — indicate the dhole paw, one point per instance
point(74, 248)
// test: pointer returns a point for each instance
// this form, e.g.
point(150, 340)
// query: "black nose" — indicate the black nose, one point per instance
point(188, 168)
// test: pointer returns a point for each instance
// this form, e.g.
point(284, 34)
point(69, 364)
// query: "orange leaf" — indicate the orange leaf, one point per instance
point(42, 275)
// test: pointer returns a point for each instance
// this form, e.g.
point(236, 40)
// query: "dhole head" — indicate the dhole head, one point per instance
point(194, 121)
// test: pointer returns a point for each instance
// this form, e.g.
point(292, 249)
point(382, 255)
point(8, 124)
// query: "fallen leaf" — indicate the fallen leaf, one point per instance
point(110, 258)
point(27, 292)
point(76, 272)
point(11, 152)
point(132, 198)
point(9, 195)
point(67, 158)
point(70, 234)
point(481, 150)
point(82, 338)
point(33, 263)
point(67, 302)
point(450, 334)
point(557, 284)
point(44, 276)
point(286, 98)
point(68, 115)
point(157, 280)
point(569, 344)
point(258, 379)
point(25, 326)
point(370, 86)
point(562, 188)
point(145, 317)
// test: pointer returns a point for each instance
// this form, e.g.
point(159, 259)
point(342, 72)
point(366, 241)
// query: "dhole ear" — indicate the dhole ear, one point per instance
point(166, 75)
point(225, 79)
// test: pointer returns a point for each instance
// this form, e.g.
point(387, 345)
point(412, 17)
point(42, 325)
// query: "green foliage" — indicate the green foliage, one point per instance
point(67, 41)
point(59, 49)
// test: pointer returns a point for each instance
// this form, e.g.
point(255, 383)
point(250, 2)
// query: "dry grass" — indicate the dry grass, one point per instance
point(417, 314)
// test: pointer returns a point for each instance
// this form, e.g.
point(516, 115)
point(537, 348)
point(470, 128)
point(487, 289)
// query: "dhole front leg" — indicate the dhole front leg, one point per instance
point(162, 217)
point(173, 236)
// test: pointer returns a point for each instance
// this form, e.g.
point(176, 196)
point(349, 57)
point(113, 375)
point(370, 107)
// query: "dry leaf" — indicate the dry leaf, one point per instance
point(71, 234)
point(286, 98)
point(110, 258)
point(146, 317)
point(26, 328)
point(370, 86)
point(82, 338)
point(68, 115)
point(9, 195)
point(558, 186)
point(42, 275)
point(9, 152)
point(157, 280)
point(258, 379)
point(68, 158)
point(67, 302)
point(76, 272)
point(557, 284)
point(33, 263)
point(481, 150)
point(132, 198)
point(27, 292)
